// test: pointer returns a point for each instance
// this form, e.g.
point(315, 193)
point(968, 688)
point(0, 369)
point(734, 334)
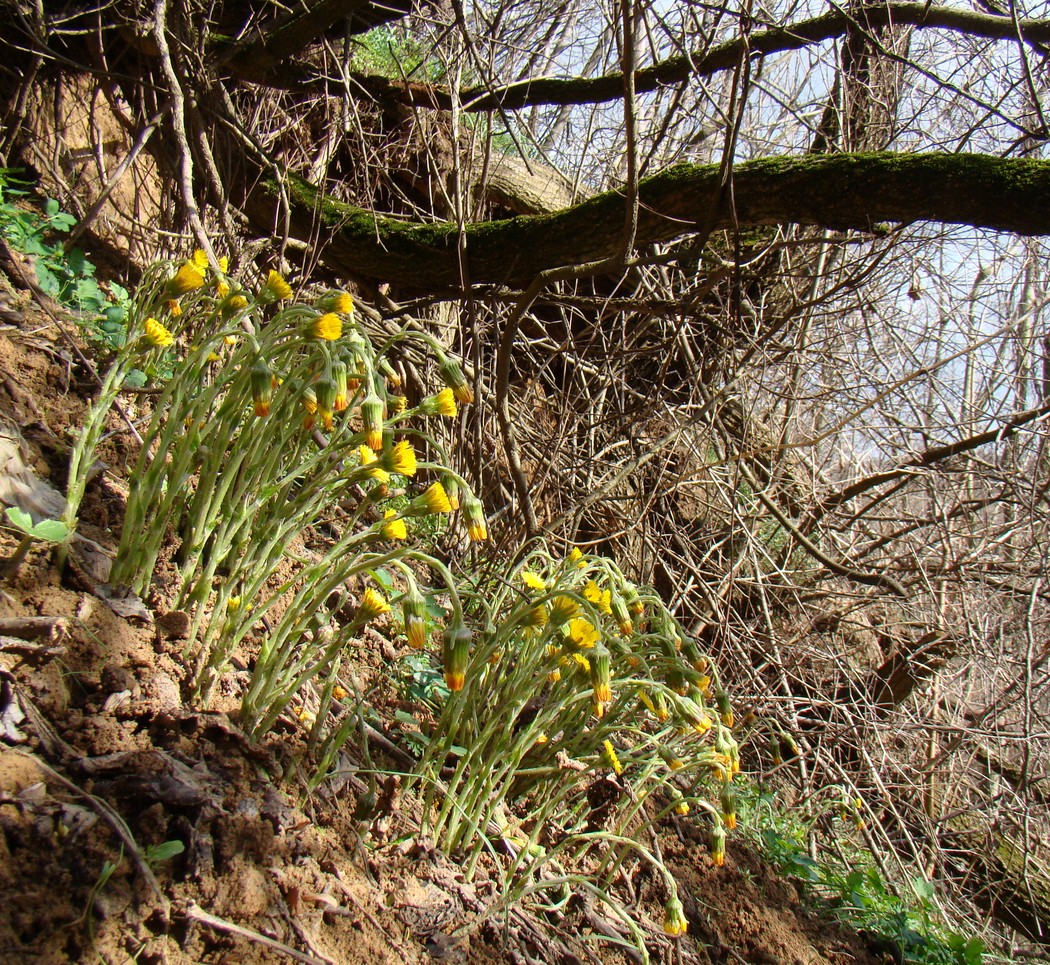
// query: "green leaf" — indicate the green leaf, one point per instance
point(51, 207)
point(78, 262)
point(48, 530)
point(20, 519)
point(51, 531)
point(47, 280)
point(62, 222)
point(90, 296)
point(135, 379)
point(923, 889)
point(157, 853)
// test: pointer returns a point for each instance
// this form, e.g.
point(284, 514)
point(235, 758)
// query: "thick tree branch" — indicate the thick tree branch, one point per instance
point(258, 57)
point(846, 191)
point(704, 63)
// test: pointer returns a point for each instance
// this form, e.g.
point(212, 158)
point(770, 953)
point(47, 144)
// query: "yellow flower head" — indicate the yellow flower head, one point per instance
point(456, 655)
point(582, 632)
point(370, 461)
point(334, 301)
point(328, 327)
point(579, 661)
point(401, 459)
point(444, 403)
point(576, 558)
point(393, 526)
point(372, 605)
point(610, 758)
point(187, 279)
point(601, 598)
point(536, 616)
point(433, 500)
point(563, 608)
point(156, 334)
point(233, 305)
point(275, 289)
point(533, 581)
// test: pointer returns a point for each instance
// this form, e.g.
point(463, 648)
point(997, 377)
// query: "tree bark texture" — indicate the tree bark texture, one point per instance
point(839, 192)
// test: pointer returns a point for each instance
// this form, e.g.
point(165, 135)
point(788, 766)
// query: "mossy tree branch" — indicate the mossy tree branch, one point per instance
point(677, 70)
point(838, 192)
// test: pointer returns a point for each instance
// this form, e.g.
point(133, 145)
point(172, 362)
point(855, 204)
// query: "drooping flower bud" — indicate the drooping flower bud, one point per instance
point(373, 415)
point(601, 677)
point(475, 516)
point(452, 375)
point(451, 485)
point(341, 388)
point(415, 612)
point(262, 387)
point(621, 615)
point(727, 799)
point(675, 922)
point(456, 655)
point(725, 711)
point(325, 391)
point(718, 845)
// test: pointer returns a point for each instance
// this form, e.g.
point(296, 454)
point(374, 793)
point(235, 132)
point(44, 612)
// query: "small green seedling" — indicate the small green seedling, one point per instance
point(47, 531)
point(157, 853)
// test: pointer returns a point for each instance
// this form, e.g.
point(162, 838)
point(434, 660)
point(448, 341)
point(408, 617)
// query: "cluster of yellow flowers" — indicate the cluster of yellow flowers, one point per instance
point(347, 378)
point(599, 632)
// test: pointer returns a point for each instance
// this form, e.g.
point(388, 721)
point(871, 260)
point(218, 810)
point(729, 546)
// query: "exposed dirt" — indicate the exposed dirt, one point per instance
point(102, 759)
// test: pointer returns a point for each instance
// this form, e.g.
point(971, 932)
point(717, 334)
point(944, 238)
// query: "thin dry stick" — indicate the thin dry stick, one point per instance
point(196, 914)
point(178, 105)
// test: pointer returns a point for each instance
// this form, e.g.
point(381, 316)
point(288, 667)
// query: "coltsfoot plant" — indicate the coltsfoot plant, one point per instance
point(580, 714)
point(281, 418)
